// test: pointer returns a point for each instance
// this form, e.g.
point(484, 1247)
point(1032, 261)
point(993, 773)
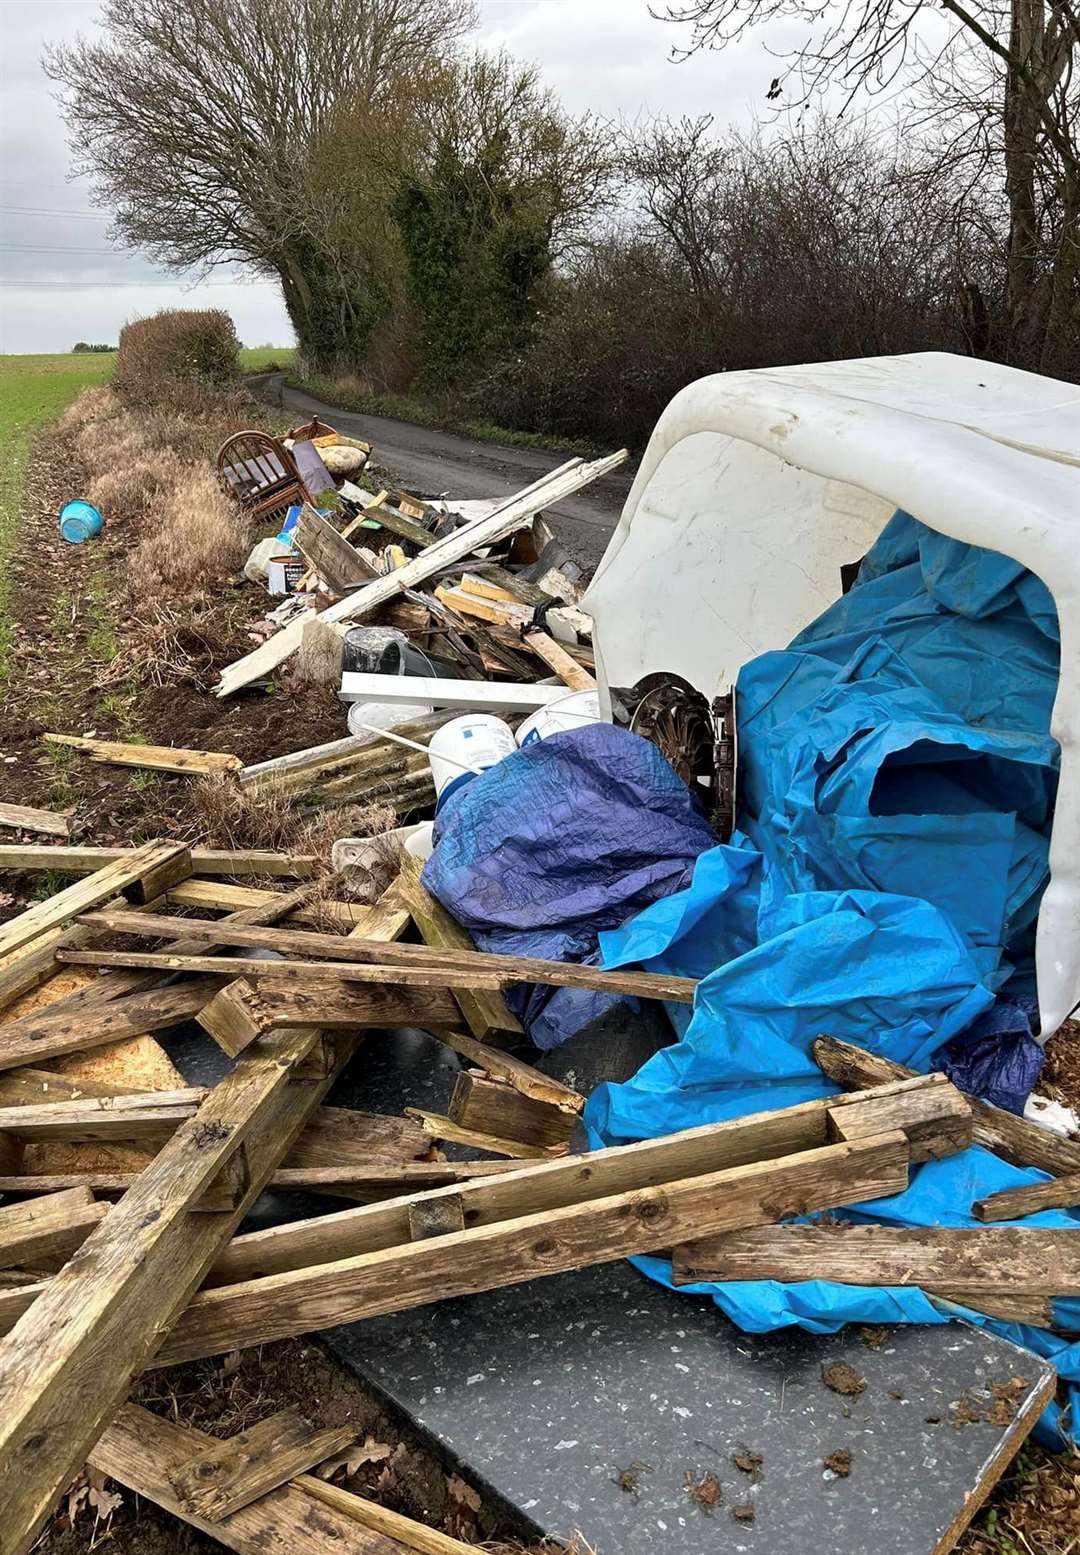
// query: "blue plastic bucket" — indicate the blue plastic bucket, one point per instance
point(80, 521)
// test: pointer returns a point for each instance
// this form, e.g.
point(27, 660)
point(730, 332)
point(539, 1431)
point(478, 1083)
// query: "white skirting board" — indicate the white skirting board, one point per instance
point(483, 696)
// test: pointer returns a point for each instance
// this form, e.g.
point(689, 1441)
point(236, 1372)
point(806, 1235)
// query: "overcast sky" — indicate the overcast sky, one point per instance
point(59, 279)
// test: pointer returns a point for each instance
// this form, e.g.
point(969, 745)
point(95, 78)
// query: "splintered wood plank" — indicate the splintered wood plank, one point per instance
point(487, 1105)
point(412, 1535)
point(539, 1189)
point(340, 1137)
point(1012, 1138)
point(510, 969)
point(204, 861)
point(67, 1363)
point(489, 1257)
point(162, 758)
point(46, 1035)
point(329, 554)
point(441, 1128)
point(522, 1076)
point(1005, 1260)
point(484, 1012)
point(41, 1228)
point(149, 868)
point(140, 1450)
point(218, 1482)
point(1015, 1203)
point(241, 1012)
point(53, 823)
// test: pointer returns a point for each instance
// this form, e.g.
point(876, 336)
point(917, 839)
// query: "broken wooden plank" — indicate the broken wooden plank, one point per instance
point(161, 758)
point(329, 553)
point(511, 969)
point(944, 1132)
point(79, 860)
point(312, 758)
point(1015, 1203)
point(486, 1105)
point(130, 1115)
point(44, 1227)
point(140, 1450)
point(337, 1137)
point(143, 874)
point(242, 1011)
point(44, 1035)
point(70, 1358)
point(217, 1482)
point(1013, 1138)
point(508, 516)
point(522, 1076)
point(383, 920)
point(26, 1086)
point(557, 659)
point(380, 1519)
point(489, 1257)
point(485, 1013)
point(444, 1129)
point(53, 823)
point(987, 1260)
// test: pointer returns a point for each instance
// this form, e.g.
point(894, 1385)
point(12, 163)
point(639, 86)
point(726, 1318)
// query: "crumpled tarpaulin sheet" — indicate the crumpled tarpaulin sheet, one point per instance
point(564, 838)
point(898, 791)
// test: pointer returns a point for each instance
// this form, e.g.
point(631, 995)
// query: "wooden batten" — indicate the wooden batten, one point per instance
point(486, 1105)
point(219, 1481)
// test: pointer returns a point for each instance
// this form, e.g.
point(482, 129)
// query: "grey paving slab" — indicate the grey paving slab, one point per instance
point(550, 1393)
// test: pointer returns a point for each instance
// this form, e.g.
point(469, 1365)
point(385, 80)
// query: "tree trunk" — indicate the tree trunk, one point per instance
point(1061, 341)
point(1027, 303)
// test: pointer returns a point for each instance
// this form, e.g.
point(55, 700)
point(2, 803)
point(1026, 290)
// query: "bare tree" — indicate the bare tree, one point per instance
point(197, 120)
point(1005, 79)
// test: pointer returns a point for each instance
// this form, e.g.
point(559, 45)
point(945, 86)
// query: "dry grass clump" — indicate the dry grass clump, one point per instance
point(230, 814)
point(91, 404)
point(136, 485)
point(200, 539)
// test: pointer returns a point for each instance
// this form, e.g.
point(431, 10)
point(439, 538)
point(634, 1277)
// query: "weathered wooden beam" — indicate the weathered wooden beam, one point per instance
point(941, 1131)
point(511, 969)
point(241, 1011)
point(556, 658)
point(140, 1450)
point(486, 1013)
point(70, 1358)
point(134, 1115)
point(1012, 1138)
point(541, 1189)
point(354, 748)
point(380, 1519)
point(341, 1137)
point(41, 1228)
point(329, 554)
point(162, 758)
point(949, 1261)
point(78, 860)
point(143, 874)
point(1015, 1203)
point(487, 1105)
point(45, 1035)
point(29, 1087)
point(383, 920)
point(53, 823)
point(222, 1479)
point(487, 1258)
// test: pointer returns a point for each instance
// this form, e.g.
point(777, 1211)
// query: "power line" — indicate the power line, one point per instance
point(54, 248)
point(95, 286)
point(40, 210)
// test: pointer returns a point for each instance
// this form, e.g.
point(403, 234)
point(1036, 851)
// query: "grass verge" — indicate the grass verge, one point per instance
point(425, 413)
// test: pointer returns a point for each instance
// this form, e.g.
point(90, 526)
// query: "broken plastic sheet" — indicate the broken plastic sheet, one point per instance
point(568, 836)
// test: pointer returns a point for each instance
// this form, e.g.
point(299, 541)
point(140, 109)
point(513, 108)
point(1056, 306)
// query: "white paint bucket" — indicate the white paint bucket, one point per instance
point(572, 711)
point(465, 746)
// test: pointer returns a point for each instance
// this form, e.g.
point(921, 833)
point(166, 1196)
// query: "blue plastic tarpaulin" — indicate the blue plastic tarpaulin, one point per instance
point(568, 836)
point(898, 780)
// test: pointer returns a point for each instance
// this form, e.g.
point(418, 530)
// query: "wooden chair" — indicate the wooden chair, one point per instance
point(260, 473)
point(311, 430)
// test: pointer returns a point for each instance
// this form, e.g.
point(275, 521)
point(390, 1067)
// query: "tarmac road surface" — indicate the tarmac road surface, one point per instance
point(433, 463)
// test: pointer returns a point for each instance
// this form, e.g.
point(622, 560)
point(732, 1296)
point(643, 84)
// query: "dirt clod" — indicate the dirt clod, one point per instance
point(706, 1491)
point(843, 1378)
point(749, 1463)
point(743, 1513)
point(873, 1338)
point(839, 1462)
